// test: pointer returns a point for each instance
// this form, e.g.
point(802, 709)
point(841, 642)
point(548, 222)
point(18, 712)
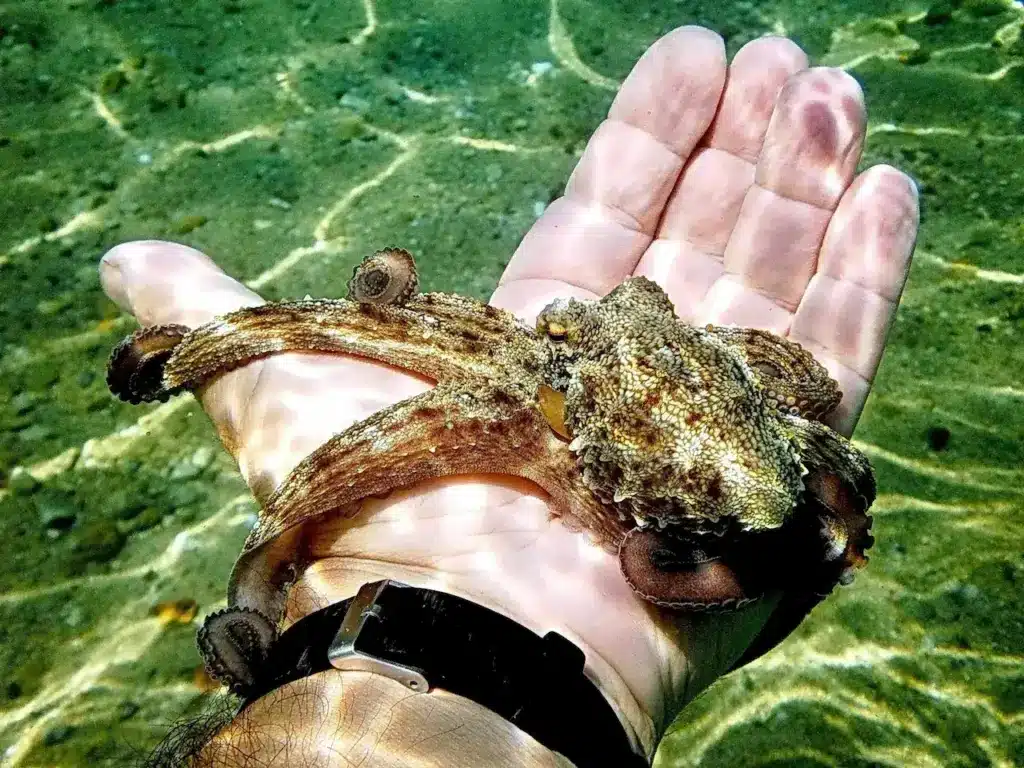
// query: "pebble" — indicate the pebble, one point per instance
point(23, 402)
point(22, 481)
point(183, 495)
point(193, 466)
point(35, 432)
point(58, 735)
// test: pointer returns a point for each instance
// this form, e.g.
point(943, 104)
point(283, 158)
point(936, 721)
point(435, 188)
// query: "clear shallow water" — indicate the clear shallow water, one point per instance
point(251, 129)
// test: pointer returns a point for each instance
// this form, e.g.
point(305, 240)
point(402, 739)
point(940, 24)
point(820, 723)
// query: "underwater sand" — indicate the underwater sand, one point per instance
point(289, 138)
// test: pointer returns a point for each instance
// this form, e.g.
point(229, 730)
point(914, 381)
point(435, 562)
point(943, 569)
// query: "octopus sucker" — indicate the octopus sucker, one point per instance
point(234, 643)
point(136, 366)
point(387, 277)
point(696, 454)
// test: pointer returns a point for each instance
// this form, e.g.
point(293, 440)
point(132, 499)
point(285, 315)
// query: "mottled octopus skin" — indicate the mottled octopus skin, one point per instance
point(704, 437)
point(669, 421)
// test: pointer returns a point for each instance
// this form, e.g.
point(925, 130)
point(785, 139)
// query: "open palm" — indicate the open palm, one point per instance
point(734, 188)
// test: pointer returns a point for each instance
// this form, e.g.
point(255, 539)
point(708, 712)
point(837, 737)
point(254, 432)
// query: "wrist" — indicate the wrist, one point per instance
point(366, 719)
point(491, 539)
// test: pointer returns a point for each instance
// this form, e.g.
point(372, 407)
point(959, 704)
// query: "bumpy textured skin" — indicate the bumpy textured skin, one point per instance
point(692, 429)
point(788, 374)
point(669, 422)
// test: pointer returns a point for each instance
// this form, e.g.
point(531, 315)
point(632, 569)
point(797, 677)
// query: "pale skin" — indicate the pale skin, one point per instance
point(733, 186)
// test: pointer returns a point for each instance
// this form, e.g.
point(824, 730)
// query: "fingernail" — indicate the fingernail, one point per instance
point(111, 277)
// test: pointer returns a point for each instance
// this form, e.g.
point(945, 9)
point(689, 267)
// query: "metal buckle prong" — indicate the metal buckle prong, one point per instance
point(343, 654)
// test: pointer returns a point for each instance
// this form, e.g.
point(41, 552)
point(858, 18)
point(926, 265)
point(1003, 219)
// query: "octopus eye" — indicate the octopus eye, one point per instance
point(556, 331)
point(766, 369)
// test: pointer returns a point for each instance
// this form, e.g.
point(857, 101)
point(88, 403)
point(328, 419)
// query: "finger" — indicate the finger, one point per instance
point(686, 259)
point(162, 283)
point(850, 303)
point(809, 157)
point(593, 237)
point(270, 413)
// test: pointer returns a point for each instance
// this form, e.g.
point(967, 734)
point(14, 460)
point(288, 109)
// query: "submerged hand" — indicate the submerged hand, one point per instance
point(733, 187)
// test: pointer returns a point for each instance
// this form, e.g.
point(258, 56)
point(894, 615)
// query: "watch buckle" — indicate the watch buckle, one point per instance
point(343, 653)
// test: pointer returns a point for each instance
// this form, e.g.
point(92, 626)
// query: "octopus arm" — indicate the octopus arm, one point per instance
point(681, 576)
point(790, 376)
point(832, 523)
point(447, 431)
point(434, 335)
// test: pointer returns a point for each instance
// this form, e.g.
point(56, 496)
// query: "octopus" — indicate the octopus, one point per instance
point(697, 455)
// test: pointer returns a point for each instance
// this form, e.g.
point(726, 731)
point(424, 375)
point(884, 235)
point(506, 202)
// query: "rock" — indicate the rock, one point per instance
point(350, 128)
point(983, 8)
point(181, 611)
point(939, 13)
point(47, 223)
point(183, 495)
point(105, 181)
point(112, 81)
point(99, 542)
point(186, 224)
point(938, 438)
point(35, 432)
point(23, 402)
point(21, 481)
point(193, 466)
point(57, 510)
point(919, 55)
point(203, 456)
point(58, 735)
point(150, 517)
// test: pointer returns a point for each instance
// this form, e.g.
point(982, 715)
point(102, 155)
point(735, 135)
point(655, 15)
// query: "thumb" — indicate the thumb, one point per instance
point(164, 283)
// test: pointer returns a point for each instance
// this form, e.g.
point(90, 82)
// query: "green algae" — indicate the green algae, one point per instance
point(123, 113)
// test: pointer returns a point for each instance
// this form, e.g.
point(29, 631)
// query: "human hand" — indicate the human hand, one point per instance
point(764, 227)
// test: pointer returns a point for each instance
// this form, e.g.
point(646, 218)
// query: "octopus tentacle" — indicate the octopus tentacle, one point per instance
point(388, 276)
point(435, 335)
point(822, 448)
point(829, 536)
point(681, 576)
point(234, 643)
point(822, 547)
point(135, 369)
point(846, 525)
point(453, 429)
point(790, 375)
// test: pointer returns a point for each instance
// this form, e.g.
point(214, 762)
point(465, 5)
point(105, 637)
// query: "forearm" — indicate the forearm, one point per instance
point(357, 718)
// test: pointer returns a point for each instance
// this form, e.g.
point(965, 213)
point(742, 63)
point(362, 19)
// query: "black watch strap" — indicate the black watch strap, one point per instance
point(428, 639)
